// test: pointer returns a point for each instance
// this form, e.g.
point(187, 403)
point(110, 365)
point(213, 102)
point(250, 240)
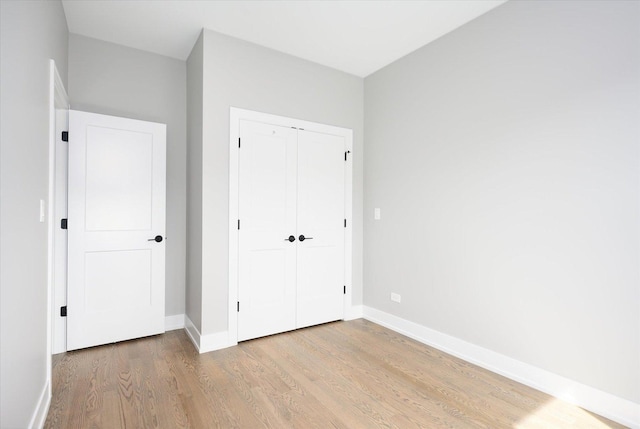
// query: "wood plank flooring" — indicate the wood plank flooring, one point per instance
point(340, 375)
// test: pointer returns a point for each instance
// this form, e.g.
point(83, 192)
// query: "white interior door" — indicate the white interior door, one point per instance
point(291, 184)
point(267, 186)
point(320, 217)
point(116, 270)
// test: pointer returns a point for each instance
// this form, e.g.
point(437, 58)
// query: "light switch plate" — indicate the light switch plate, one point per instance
point(41, 210)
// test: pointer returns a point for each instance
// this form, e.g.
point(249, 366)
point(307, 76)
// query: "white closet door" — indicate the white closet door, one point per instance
point(320, 219)
point(267, 210)
point(116, 269)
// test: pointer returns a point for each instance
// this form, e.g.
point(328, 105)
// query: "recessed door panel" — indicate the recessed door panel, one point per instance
point(116, 270)
point(267, 265)
point(108, 276)
point(119, 178)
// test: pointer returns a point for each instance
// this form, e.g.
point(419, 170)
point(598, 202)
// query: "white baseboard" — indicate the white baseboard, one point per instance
point(605, 404)
point(354, 312)
point(42, 408)
point(171, 323)
point(212, 342)
point(192, 332)
point(206, 343)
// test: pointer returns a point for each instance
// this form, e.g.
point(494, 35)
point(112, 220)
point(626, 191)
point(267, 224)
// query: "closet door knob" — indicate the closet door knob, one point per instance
point(302, 238)
point(291, 239)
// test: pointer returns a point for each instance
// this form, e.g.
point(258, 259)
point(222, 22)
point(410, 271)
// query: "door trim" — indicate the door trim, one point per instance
point(235, 116)
point(56, 257)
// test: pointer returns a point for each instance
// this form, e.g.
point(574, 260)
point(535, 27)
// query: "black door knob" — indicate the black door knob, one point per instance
point(291, 238)
point(157, 239)
point(302, 238)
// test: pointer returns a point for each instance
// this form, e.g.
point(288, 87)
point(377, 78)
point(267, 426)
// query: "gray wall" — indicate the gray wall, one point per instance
point(248, 76)
point(505, 159)
point(31, 34)
point(194, 184)
point(116, 80)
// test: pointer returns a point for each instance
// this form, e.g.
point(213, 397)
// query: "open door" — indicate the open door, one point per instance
point(116, 259)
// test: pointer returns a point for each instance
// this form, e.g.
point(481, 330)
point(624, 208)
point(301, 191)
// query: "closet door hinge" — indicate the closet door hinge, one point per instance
point(238, 142)
point(238, 306)
point(63, 223)
point(345, 154)
point(65, 136)
point(63, 311)
point(345, 223)
point(238, 224)
point(344, 291)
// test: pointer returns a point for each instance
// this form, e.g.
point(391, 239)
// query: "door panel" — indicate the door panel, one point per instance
point(320, 216)
point(108, 276)
point(118, 184)
point(116, 277)
point(267, 261)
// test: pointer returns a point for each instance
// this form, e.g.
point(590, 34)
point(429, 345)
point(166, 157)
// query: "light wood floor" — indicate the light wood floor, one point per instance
point(340, 375)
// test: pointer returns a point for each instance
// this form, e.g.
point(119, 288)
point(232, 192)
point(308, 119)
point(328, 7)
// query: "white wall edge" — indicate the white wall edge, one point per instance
point(42, 408)
point(206, 343)
point(605, 404)
point(176, 321)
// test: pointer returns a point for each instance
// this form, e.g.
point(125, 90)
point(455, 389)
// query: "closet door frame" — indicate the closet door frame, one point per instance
point(236, 115)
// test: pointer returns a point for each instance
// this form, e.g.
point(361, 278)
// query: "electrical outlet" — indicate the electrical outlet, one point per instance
point(395, 297)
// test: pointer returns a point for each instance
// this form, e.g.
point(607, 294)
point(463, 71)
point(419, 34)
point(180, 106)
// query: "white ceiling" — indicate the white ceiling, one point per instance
point(358, 37)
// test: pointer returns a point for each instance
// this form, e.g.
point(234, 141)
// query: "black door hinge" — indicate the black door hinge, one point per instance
point(63, 224)
point(65, 136)
point(238, 306)
point(238, 223)
point(238, 142)
point(63, 311)
point(344, 291)
point(345, 223)
point(345, 154)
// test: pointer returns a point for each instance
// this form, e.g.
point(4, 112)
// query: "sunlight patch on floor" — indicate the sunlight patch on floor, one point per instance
point(557, 412)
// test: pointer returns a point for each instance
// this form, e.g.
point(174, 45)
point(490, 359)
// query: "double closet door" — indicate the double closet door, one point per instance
point(291, 229)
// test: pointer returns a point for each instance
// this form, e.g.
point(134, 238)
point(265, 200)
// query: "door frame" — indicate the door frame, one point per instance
point(56, 259)
point(235, 116)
